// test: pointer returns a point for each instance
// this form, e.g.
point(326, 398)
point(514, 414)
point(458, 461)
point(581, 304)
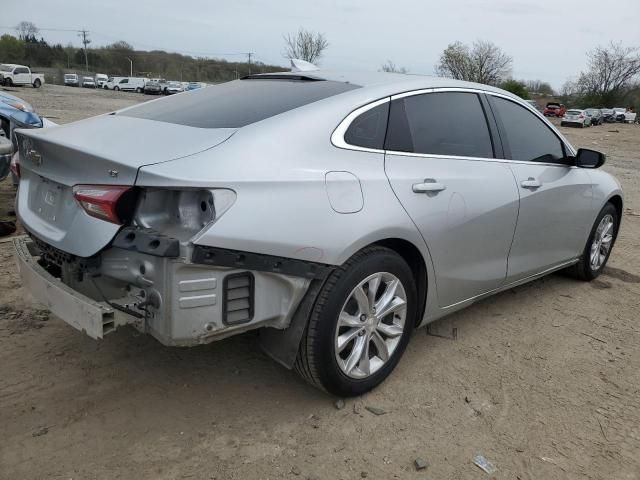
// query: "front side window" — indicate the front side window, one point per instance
point(444, 123)
point(369, 128)
point(21, 70)
point(528, 138)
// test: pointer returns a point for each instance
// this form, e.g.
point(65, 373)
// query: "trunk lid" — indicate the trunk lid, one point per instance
point(105, 150)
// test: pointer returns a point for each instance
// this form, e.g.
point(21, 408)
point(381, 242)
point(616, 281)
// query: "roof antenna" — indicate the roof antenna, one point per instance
point(298, 65)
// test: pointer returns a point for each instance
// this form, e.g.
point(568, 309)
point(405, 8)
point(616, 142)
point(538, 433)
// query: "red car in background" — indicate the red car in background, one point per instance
point(554, 109)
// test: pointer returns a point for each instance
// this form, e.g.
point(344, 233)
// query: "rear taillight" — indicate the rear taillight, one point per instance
point(15, 166)
point(106, 202)
point(581, 116)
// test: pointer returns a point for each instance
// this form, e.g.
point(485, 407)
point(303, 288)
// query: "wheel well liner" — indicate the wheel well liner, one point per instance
point(410, 253)
point(616, 201)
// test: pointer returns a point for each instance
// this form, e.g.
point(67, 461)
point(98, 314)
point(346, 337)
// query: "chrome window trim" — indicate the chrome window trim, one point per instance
point(337, 137)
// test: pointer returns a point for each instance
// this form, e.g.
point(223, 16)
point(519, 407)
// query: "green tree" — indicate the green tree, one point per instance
point(11, 49)
point(516, 87)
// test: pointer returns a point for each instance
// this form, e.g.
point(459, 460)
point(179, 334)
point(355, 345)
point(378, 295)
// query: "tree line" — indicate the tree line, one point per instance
point(117, 59)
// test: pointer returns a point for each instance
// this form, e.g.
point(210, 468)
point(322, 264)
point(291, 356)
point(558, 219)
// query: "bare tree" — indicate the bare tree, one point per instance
point(485, 63)
point(305, 45)
point(26, 30)
point(610, 71)
point(391, 67)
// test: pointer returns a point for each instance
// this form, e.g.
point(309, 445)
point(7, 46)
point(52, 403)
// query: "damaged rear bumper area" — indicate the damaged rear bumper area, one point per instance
point(194, 297)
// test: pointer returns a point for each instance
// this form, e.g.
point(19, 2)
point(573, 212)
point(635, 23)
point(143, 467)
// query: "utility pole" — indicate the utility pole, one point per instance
point(249, 54)
point(130, 66)
point(85, 41)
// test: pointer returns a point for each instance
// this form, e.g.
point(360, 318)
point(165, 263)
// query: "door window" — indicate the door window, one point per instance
point(21, 70)
point(445, 123)
point(528, 137)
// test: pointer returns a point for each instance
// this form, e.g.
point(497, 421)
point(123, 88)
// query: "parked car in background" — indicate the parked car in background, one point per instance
point(101, 80)
point(15, 113)
point(153, 87)
point(608, 115)
point(173, 87)
point(595, 115)
point(71, 80)
point(630, 116)
point(576, 117)
point(112, 83)
point(619, 114)
point(88, 82)
point(193, 86)
point(131, 84)
point(554, 109)
point(19, 75)
point(366, 213)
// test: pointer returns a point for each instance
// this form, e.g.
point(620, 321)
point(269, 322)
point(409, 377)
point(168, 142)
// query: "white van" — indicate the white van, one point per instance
point(101, 80)
point(112, 82)
point(71, 80)
point(131, 84)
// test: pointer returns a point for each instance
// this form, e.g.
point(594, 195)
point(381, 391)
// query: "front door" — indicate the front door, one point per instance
point(440, 163)
point(555, 197)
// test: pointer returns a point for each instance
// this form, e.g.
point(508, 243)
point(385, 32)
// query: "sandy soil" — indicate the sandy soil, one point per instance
point(543, 380)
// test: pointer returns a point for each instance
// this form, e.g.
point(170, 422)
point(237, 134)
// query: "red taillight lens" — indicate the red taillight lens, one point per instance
point(101, 201)
point(15, 166)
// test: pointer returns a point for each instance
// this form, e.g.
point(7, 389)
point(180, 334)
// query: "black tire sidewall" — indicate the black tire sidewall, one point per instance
point(589, 273)
point(331, 376)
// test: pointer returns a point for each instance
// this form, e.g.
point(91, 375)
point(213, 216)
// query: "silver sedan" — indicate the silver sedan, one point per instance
point(332, 212)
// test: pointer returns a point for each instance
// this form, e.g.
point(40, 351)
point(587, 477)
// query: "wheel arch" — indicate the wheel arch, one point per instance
point(414, 258)
point(616, 201)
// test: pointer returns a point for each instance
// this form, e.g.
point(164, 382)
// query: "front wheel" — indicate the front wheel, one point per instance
point(360, 325)
point(596, 252)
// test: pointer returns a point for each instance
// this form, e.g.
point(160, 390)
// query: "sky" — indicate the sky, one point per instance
point(548, 39)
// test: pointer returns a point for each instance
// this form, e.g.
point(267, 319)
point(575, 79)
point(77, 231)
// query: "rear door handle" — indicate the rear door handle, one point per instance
point(429, 185)
point(531, 183)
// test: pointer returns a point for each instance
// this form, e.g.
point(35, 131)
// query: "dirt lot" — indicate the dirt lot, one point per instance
point(543, 380)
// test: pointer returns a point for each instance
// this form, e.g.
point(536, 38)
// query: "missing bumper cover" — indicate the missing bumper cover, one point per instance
point(262, 263)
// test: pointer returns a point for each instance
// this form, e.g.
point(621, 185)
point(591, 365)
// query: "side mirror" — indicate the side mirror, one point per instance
point(586, 158)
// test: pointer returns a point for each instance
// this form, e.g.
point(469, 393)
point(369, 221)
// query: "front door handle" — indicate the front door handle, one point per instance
point(531, 183)
point(429, 186)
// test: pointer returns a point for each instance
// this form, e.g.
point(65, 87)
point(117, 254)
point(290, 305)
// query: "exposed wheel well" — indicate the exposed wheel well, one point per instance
point(410, 253)
point(616, 201)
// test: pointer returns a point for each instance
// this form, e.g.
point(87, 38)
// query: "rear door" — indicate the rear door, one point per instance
point(22, 75)
point(440, 163)
point(555, 197)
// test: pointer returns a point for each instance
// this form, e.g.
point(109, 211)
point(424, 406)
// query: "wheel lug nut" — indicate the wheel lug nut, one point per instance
point(363, 317)
point(361, 333)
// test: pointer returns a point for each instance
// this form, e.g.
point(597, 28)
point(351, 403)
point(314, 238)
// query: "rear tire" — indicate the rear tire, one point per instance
point(138, 90)
point(37, 83)
point(346, 348)
point(599, 245)
point(117, 89)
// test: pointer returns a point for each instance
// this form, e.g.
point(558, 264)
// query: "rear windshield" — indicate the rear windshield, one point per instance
point(238, 103)
point(574, 112)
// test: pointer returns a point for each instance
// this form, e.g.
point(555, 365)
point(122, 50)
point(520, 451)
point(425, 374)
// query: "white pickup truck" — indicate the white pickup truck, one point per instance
point(12, 74)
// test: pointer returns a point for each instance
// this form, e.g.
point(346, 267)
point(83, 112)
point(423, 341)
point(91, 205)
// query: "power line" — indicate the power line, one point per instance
point(85, 41)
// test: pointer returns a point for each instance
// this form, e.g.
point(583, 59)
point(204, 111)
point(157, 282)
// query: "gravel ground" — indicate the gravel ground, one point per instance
point(543, 380)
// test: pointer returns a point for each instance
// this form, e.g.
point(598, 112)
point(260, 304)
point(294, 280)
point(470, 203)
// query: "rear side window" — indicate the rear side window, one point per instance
point(238, 103)
point(528, 137)
point(368, 129)
point(447, 123)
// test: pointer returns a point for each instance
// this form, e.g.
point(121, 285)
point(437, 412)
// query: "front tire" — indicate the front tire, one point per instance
point(599, 245)
point(360, 324)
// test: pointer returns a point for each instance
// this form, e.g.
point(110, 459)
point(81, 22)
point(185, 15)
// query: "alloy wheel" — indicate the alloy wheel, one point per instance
point(602, 240)
point(370, 325)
